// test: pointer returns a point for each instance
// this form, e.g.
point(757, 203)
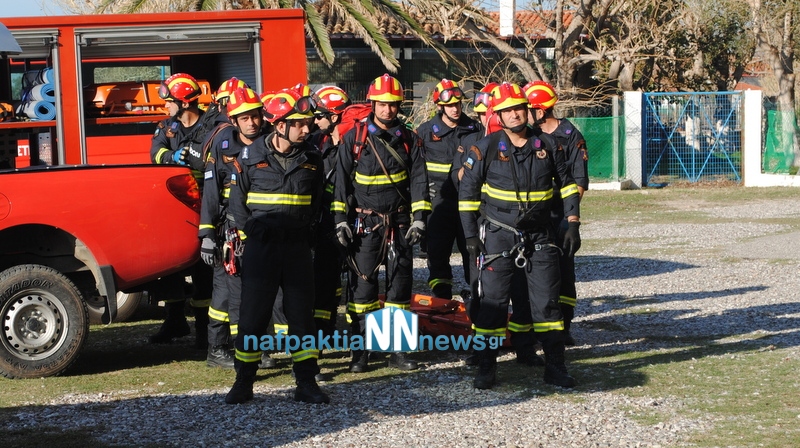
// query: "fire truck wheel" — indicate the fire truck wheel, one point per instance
point(127, 304)
point(44, 322)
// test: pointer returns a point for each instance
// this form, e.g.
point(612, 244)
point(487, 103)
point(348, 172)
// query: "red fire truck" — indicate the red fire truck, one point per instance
point(95, 78)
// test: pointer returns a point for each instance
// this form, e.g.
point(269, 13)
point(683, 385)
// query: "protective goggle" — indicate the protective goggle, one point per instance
point(164, 93)
point(448, 94)
point(305, 105)
point(481, 98)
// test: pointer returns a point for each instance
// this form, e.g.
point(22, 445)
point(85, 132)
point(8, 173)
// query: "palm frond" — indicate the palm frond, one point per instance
point(317, 32)
point(369, 32)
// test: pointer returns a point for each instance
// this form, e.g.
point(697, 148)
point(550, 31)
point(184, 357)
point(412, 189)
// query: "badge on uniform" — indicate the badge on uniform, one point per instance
point(245, 152)
point(308, 166)
point(371, 128)
point(568, 131)
point(460, 148)
point(435, 138)
point(262, 165)
point(158, 131)
point(225, 144)
point(537, 143)
point(435, 128)
point(209, 174)
point(468, 163)
point(233, 178)
point(541, 154)
point(398, 133)
point(228, 159)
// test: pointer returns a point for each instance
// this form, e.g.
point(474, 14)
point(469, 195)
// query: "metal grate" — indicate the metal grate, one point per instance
point(692, 137)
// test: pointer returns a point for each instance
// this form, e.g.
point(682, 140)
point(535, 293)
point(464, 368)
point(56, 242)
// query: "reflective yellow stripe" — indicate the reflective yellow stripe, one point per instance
point(420, 205)
point(160, 153)
point(541, 327)
point(278, 199)
point(242, 236)
point(234, 329)
point(469, 206)
point(226, 192)
point(221, 316)
point(511, 196)
point(200, 303)
point(281, 328)
point(303, 355)
point(438, 167)
point(381, 179)
point(207, 226)
point(322, 314)
point(361, 308)
point(402, 306)
point(497, 332)
point(440, 281)
point(519, 328)
point(571, 301)
point(329, 188)
point(248, 356)
point(338, 292)
point(348, 318)
point(337, 207)
point(569, 190)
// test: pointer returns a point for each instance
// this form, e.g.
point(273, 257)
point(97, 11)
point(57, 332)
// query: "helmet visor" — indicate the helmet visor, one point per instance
point(449, 94)
point(304, 105)
point(164, 93)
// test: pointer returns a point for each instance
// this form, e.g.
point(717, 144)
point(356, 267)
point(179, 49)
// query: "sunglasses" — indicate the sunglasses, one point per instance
point(481, 98)
point(448, 94)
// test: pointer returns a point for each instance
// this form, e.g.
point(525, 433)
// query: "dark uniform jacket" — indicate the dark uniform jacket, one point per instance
point(364, 180)
point(171, 136)
point(222, 163)
point(324, 144)
point(515, 185)
point(286, 201)
point(441, 145)
point(574, 145)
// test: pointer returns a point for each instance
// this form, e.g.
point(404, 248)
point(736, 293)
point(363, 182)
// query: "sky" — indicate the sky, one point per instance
point(19, 8)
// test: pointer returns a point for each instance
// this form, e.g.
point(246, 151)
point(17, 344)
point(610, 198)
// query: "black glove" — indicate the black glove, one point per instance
point(572, 239)
point(475, 247)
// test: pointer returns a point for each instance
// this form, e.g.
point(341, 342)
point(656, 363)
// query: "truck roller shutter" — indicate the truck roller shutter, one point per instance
point(240, 65)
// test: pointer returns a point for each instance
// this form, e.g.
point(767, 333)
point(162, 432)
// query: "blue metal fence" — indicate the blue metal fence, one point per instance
point(691, 137)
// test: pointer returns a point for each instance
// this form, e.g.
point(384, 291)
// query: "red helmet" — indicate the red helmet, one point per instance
point(386, 89)
point(331, 99)
point(540, 95)
point(447, 92)
point(482, 100)
point(227, 87)
point(266, 96)
point(289, 105)
point(507, 95)
point(302, 89)
point(242, 100)
point(179, 87)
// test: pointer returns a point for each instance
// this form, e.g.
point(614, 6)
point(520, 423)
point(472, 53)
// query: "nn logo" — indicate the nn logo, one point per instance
point(392, 330)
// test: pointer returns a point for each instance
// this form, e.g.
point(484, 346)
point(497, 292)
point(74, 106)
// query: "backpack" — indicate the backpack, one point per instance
point(355, 116)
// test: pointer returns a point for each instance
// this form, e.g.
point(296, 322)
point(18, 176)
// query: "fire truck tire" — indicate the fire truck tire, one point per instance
point(43, 322)
point(127, 304)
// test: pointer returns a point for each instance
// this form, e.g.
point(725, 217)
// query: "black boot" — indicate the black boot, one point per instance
point(443, 291)
point(242, 390)
point(527, 355)
point(174, 326)
point(555, 369)
point(267, 362)
point(358, 364)
point(219, 356)
point(201, 328)
point(487, 369)
point(322, 377)
point(400, 361)
point(308, 391)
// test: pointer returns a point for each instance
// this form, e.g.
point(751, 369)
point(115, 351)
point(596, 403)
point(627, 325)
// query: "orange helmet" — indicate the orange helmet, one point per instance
point(288, 104)
point(507, 95)
point(331, 100)
point(179, 87)
point(242, 100)
point(540, 95)
point(227, 87)
point(482, 100)
point(447, 92)
point(386, 89)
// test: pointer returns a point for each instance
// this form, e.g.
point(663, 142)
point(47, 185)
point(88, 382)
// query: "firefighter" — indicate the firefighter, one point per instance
point(178, 140)
point(542, 98)
point(277, 196)
point(331, 102)
point(220, 99)
point(443, 135)
point(224, 145)
point(516, 170)
point(380, 184)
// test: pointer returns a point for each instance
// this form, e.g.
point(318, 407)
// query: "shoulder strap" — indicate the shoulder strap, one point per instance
point(210, 140)
point(362, 134)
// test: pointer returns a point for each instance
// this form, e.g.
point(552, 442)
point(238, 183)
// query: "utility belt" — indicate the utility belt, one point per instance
point(384, 225)
point(524, 245)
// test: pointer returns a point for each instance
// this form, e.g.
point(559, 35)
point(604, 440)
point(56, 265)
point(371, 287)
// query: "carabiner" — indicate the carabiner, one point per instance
point(520, 261)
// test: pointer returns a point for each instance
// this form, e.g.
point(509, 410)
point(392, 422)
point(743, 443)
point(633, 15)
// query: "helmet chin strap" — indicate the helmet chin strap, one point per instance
point(448, 117)
point(384, 122)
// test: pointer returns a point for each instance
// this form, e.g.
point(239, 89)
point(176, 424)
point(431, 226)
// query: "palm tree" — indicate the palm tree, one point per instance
point(359, 15)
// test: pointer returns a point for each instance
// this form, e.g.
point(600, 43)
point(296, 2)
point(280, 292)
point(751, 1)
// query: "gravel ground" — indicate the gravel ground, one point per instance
point(720, 281)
